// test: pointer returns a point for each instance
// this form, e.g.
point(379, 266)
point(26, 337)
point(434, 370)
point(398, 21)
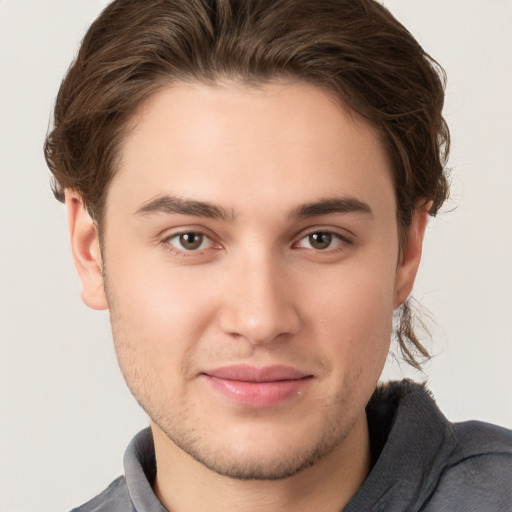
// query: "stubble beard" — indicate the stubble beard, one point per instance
point(252, 465)
point(218, 458)
point(328, 437)
point(234, 466)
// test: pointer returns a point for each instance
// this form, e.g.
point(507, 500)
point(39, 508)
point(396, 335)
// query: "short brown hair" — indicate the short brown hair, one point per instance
point(353, 48)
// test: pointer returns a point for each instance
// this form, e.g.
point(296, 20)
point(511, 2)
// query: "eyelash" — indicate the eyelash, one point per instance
point(340, 246)
point(184, 252)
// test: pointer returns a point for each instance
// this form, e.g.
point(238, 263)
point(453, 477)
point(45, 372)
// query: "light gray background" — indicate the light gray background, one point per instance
point(65, 414)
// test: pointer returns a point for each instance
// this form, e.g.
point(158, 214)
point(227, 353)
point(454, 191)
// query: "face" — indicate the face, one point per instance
point(250, 258)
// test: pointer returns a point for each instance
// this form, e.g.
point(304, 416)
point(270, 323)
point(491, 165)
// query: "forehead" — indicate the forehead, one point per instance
point(234, 143)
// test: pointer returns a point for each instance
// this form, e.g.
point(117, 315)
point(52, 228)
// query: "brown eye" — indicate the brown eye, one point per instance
point(320, 240)
point(191, 241)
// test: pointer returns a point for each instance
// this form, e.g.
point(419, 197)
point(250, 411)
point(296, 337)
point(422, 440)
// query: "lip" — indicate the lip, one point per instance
point(257, 387)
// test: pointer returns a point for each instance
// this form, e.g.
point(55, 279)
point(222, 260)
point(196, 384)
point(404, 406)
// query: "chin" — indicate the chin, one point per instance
point(264, 453)
point(254, 467)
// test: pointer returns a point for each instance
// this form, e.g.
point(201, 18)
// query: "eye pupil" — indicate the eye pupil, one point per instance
point(320, 240)
point(191, 241)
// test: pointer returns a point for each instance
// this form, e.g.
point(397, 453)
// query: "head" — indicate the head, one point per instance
point(144, 57)
point(355, 50)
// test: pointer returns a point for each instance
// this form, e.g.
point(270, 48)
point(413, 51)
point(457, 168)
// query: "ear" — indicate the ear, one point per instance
point(85, 246)
point(411, 255)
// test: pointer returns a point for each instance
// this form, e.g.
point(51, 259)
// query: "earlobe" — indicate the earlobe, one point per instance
point(85, 246)
point(411, 256)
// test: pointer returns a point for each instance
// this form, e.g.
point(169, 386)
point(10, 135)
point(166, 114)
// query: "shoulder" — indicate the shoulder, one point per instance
point(477, 475)
point(115, 498)
point(478, 435)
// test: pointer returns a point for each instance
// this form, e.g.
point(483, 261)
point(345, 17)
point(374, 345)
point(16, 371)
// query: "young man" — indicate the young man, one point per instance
point(248, 185)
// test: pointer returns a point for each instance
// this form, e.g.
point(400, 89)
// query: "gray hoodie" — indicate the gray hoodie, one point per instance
point(421, 462)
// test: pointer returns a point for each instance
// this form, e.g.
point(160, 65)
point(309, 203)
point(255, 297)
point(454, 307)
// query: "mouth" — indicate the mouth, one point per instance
point(257, 387)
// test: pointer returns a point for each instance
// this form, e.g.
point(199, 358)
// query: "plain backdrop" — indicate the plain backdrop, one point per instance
point(65, 415)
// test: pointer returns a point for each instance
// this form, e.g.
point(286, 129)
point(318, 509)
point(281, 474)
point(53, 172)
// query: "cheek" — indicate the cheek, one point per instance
point(356, 333)
point(157, 319)
point(354, 314)
point(151, 341)
point(155, 298)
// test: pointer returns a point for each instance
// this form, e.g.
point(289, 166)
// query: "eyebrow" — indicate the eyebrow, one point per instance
point(175, 205)
point(171, 204)
point(331, 205)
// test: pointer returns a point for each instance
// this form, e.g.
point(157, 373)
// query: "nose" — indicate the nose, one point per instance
point(259, 304)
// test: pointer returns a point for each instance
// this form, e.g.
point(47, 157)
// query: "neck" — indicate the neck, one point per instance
point(184, 485)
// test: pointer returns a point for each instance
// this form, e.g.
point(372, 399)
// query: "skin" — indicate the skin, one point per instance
point(272, 282)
